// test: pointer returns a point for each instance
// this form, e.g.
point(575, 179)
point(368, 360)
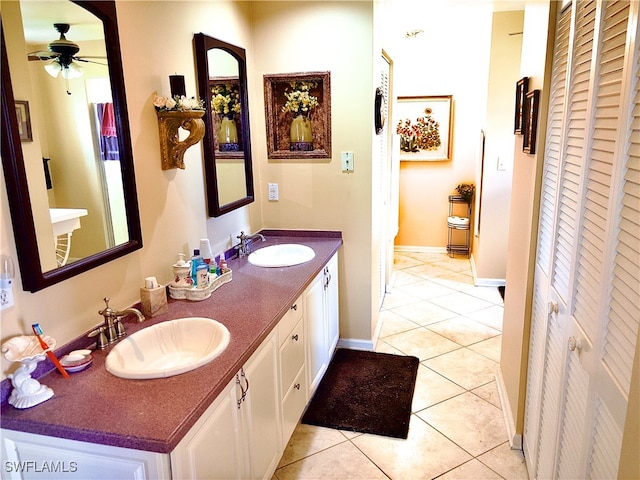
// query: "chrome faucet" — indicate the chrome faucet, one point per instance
point(244, 247)
point(113, 329)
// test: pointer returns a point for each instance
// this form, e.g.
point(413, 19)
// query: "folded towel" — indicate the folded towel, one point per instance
point(108, 127)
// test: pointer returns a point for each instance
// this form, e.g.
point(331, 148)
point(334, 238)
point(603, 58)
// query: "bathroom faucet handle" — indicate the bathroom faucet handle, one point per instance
point(101, 341)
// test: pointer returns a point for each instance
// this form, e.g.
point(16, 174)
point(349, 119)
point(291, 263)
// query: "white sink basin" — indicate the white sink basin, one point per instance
point(168, 348)
point(284, 255)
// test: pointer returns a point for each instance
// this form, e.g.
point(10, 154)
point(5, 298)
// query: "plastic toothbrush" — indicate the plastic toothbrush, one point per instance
point(38, 331)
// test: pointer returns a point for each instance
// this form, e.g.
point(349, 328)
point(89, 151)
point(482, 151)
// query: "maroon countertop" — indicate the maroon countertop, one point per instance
point(154, 415)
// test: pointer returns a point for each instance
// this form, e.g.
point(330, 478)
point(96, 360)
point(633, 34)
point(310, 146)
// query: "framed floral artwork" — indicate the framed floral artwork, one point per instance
point(225, 103)
point(522, 87)
point(530, 127)
point(425, 127)
point(298, 115)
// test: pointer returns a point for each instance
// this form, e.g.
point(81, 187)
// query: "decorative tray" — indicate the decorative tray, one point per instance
point(198, 294)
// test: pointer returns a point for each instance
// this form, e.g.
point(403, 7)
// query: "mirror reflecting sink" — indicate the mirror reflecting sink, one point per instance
point(168, 348)
point(284, 255)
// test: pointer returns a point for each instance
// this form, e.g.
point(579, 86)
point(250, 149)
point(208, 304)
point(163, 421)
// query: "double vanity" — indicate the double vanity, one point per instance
point(229, 418)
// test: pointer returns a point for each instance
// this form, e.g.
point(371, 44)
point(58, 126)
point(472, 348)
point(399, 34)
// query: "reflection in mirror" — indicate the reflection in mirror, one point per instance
point(222, 85)
point(74, 206)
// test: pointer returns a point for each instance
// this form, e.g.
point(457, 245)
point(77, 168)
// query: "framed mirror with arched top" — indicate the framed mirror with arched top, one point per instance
point(71, 184)
point(222, 84)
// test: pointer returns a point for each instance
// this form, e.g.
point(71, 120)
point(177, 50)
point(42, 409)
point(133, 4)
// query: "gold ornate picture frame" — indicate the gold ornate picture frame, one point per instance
point(278, 121)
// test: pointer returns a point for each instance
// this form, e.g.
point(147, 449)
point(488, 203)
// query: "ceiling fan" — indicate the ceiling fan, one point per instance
point(62, 53)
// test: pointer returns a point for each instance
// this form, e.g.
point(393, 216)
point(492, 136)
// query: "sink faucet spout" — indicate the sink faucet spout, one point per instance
point(244, 247)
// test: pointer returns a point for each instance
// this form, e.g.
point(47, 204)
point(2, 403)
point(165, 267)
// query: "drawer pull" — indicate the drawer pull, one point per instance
point(297, 386)
point(294, 306)
point(294, 337)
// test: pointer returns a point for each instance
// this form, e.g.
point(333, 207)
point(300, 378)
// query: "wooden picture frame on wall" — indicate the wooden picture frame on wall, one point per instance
point(24, 120)
point(530, 128)
point(425, 128)
point(278, 122)
point(522, 87)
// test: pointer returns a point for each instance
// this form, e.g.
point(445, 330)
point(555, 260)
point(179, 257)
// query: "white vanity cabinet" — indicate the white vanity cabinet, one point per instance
point(322, 322)
point(31, 456)
point(239, 434)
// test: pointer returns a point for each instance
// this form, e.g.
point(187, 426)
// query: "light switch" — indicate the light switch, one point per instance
point(501, 165)
point(347, 161)
point(273, 192)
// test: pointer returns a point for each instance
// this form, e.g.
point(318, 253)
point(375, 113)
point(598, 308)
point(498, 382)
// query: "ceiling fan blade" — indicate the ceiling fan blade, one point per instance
point(42, 55)
point(84, 59)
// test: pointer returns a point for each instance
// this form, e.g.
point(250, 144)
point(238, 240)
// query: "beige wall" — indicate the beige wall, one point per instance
point(442, 61)
point(490, 244)
point(315, 194)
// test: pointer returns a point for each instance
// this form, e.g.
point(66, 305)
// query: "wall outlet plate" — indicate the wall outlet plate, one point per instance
point(273, 192)
point(347, 161)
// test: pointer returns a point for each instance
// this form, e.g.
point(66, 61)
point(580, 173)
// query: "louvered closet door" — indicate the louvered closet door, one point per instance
point(591, 341)
point(541, 376)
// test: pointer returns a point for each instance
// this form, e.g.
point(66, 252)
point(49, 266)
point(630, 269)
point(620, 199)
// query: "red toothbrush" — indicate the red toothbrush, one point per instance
point(38, 331)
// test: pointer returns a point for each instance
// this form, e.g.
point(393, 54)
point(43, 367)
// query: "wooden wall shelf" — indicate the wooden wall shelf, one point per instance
point(171, 148)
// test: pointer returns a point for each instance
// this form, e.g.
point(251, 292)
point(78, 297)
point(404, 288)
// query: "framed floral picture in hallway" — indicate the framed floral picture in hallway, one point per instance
point(425, 128)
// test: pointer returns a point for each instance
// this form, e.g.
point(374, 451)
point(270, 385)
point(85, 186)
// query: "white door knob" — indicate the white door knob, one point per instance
point(575, 344)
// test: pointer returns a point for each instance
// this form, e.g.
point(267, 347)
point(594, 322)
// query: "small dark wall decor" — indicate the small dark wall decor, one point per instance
point(522, 87)
point(530, 127)
point(284, 89)
point(24, 120)
point(379, 110)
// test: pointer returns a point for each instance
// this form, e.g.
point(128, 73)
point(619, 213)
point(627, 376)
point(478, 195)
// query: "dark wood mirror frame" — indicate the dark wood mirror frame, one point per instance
point(33, 278)
point(203, 43)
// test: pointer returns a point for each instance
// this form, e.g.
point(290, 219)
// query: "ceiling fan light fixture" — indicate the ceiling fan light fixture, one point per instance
point(71, 71)
point(53, 68)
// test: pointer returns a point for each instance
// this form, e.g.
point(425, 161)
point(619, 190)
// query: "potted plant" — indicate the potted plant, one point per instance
point(466, 191)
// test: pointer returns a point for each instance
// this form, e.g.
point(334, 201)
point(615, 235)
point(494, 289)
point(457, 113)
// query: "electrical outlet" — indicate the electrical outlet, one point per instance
point(273, 192)
point(501, 165)
point(347, 161)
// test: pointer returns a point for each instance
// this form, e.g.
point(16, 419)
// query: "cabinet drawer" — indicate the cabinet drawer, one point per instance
point(291, 356)
point(288, 322)
point(293, 405)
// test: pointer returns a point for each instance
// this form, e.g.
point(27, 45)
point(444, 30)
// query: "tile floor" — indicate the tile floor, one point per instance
point(457, 430)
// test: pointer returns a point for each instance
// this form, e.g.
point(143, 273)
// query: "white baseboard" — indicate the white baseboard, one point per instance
point(485, 282)
point(356, 344)
point(515, 439)
point(418, 249)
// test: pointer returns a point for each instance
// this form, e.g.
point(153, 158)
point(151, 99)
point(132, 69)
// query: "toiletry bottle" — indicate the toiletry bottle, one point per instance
point(195, 261)
point(205, 250)
point(202, 275)
point(223, 264)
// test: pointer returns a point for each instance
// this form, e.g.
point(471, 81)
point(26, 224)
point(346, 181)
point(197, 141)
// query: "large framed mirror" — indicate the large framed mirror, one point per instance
point(222, 84)
point(70, 182)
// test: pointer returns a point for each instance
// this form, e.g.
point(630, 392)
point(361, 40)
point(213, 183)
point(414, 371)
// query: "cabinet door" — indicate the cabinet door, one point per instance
point(261, 410)
point(26, 455)
point(314, 310)
point(332, 306)
point(213, 448)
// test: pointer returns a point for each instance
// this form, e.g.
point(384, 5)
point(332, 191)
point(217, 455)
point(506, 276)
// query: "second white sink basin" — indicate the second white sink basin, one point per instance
point(284, 255)
point(168, 348)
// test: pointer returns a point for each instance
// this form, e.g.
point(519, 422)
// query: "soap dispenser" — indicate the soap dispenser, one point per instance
point(182, 273)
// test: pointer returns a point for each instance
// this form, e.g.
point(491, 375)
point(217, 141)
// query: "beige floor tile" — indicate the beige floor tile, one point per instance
point(421, 343)
point(426, 453)
point(455, 265)
point(470, 422)
point(393, 323)
point(508, 463)
point(401, 278)
point(490, 294)
point(384, 347)
point(397, 298)
point(472, 470)
point(343, 461)
point(463, 330)
point(490, 348)
point(432, 388)
point(426, 289)
point(429, 270)
point(307, 440)
point(491, 316)
point(423, 312)
point(464, 367)
point(489, 392)
point(461, 303)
